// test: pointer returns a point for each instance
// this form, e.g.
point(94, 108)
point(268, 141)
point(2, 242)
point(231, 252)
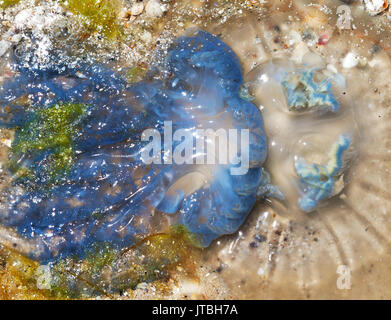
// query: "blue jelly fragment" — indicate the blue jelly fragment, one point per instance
point(318, 182)
point(305, 94)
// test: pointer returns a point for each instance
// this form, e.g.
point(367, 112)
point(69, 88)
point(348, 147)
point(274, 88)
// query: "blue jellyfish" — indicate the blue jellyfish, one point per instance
point(80, 147)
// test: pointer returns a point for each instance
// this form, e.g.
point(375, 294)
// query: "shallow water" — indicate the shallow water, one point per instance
point(281, 251)
point(304, 255)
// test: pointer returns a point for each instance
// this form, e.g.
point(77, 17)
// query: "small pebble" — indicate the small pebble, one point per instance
point(375, 7)
point(4, 46)
point(253, 245)
point(260, 238)
point(16, 38)
point(142, 286)
point(154, 9)
point(137, 9)
point(7, 142)
point(350, 60)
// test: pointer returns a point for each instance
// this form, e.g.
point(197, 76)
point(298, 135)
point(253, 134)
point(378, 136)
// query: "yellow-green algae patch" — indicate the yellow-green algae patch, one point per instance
point(18, 277)
point(47, 130)
point(8, 3)
point(155, 258)
point(99, 15)
point(105, 271)
point(135, 74)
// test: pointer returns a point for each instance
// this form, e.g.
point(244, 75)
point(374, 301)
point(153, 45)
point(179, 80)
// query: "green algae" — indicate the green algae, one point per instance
point(135, 74)
point(100, 15)
point(105, 271)
point(8, 3)
point(154, 259)
point(100, 256)
point(179, 230)
point(47, 131)
point(18, 277)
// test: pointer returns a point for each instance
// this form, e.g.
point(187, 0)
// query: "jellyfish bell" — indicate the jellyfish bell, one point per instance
point(80, 156)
